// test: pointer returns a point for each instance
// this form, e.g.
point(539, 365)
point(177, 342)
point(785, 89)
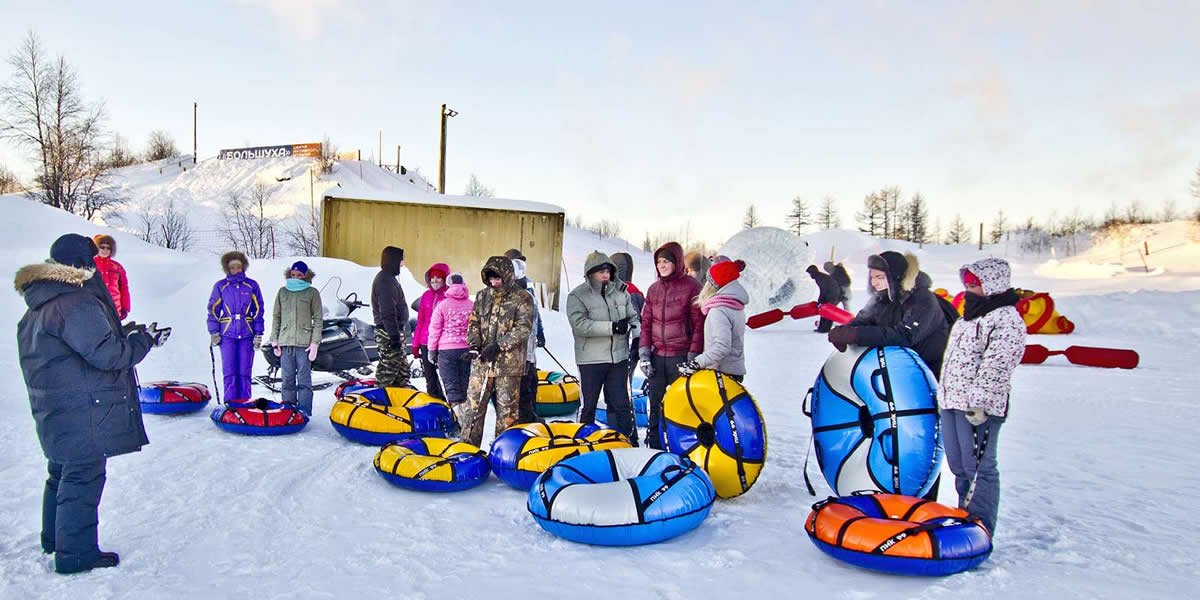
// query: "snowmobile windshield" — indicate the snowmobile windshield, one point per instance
point(332, 306)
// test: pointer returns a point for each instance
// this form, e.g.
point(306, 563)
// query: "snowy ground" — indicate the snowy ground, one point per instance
point(1097, 468)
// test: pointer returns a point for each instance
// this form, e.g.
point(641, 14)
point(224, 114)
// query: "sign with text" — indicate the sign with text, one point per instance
point(310, 150)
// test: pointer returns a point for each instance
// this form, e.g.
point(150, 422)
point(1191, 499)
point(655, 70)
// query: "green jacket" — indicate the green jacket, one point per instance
point(296, 319)
point(592, 309)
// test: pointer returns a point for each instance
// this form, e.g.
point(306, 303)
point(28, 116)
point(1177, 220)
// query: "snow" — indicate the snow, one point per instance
point(1097, 465)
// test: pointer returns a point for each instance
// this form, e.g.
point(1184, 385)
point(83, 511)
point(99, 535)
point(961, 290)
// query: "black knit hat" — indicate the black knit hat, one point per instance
point(74, 250)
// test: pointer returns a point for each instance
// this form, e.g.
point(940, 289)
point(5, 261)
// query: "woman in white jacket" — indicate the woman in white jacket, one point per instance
point(985, 347)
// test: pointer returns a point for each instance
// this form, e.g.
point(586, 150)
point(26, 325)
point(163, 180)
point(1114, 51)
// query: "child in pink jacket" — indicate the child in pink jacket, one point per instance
point(447, 339)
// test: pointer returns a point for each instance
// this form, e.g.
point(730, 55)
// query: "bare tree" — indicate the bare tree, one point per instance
point(9, 183)
point(119, 155)
point(476, 188)
point(827, 217)
point(327, 156)
point(246, 224)
point(958, 233)
point(799, 218)
point(1169, 212)
point(751, 218)
point(303, 237)
point(160, 146)
point(169, 228)
point(999, 226)
point(45, 113)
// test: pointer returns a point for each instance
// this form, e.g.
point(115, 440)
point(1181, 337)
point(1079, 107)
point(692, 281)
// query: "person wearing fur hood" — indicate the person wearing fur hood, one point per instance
point(723, 304)
point(112, 273)
point(296, 324)
point(235, 323)
point(985, 347)
point(900, 312)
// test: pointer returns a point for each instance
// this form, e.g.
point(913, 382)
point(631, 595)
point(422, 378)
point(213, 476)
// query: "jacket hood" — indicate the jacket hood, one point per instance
point(734, 290)
point(41, 282)
point(443, 267)
point(458, 291)
point(232, 256)
point(902, 271)
point(994, 273)
point(923, 281)
point(390, 259)
point(674, 253)
point(101, 238)
point(698, 263)
point(595, 261)
point(813, 271)
point(624, 264)
point(287, 274)
point(500, 266)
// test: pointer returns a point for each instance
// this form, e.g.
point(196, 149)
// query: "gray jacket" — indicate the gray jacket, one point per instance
point(592, 309)
point(725, 331)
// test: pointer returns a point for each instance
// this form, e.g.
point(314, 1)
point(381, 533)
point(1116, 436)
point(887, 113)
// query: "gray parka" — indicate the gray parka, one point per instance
point(593, 308)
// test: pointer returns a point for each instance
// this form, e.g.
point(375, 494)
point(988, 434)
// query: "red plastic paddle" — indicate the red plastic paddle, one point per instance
point(835, 314)
point(1108, 358)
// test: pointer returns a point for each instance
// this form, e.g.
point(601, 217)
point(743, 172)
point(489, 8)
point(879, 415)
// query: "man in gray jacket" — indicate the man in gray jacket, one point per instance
point(603, 320)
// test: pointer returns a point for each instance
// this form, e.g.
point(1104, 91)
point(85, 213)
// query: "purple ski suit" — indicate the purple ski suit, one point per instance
point(235, 310)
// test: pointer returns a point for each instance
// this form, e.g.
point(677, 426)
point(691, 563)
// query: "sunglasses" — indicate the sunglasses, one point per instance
point(105, 247)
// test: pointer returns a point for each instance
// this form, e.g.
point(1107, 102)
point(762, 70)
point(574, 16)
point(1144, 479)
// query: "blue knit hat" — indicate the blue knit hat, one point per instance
point(74, 250)
point(300, 266)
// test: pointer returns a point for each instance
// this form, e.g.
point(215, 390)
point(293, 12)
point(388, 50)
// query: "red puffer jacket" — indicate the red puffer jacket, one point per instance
point(671, 322)
point(117, 283)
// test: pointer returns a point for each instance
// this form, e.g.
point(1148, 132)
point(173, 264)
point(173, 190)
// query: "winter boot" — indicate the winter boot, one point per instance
point(104, 560)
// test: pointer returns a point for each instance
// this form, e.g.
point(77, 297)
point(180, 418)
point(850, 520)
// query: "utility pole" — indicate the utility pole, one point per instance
point(445, 112)
point(981, 235)
point(312, 211)
point(380, 148)
point(397, 159)
point(194, 156)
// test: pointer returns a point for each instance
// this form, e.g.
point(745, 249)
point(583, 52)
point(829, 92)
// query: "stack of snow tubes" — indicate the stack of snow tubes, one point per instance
point(376, 416)
point(557, 394)
point(621, 497)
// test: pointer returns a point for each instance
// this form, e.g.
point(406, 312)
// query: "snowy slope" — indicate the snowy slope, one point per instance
point(1096, 466)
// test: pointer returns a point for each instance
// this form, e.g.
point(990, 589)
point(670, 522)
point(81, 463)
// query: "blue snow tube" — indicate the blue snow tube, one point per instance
point(875, 422)
point(622, 497)
point(172, 397)
point(260, 417)
point(641, 405)
point(432, 464)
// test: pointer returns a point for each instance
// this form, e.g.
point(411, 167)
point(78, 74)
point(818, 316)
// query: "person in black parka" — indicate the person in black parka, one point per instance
point(900, 313)
point(78, 363)
point(841, 277)
point(828, 292)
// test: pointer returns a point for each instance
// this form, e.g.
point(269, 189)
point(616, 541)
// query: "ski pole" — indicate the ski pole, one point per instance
point(212, 359)
point(552, 357)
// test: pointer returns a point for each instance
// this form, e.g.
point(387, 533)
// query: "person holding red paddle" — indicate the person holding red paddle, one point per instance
point(985, 347)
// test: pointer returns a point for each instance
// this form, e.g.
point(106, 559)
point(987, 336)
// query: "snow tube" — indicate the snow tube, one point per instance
point(522, 452)
point(354, 385)
point(641, 404)
point(172, 397)
point(259, 417)
point(622, 497)
point(376, 416)
point(557, 394)
point(1038, 312)
point(957, 301)
point(898, 534)
point(713, 420)
point(875, 422)
point(430, 464)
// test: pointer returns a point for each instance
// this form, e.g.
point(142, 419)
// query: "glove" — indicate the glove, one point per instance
point(647, 368)
point(131, 327)
point(644, 354)
point(621, 327)
point(688, 368)
point(471, 354)
point(842, 337)
point(312, 352)
point(976, 416)
point(216, 339)
point(160, 336)
point(541, 341)
point(258, 341)
point(276, 350)
point(433, 356)
point(489, 352)
point(692, 355)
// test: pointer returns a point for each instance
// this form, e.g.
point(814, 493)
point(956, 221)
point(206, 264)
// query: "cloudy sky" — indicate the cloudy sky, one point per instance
point(666, 115)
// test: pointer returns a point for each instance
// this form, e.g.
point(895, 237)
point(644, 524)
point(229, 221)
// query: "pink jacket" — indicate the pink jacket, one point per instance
point(448, 325)
point(429, 300)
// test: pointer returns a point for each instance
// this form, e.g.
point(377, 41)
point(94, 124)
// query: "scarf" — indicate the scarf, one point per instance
point(978, 306)
point(297, 285)
point(718, 300)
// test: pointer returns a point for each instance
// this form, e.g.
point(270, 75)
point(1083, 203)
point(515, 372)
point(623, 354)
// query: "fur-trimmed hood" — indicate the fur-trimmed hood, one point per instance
point(287, 274)
point(59, 279)
point(233, 255)
point(902, 272)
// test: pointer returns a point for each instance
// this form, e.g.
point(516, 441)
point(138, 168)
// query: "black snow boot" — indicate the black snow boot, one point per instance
point(104, 560)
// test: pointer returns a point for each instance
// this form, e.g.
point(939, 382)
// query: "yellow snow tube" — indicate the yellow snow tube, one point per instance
point(1038, 312)
point(557, 394)
point(432, 464)
point(713, 420)
point(522, 452)
point(377, 416)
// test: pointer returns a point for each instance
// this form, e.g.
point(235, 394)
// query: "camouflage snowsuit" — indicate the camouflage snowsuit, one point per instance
point(503, 316)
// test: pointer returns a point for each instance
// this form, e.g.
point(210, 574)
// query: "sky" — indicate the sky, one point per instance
point(673, 116)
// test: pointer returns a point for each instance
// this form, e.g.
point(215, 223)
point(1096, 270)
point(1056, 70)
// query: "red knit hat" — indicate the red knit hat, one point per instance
point(969, 278)
point(721, 273)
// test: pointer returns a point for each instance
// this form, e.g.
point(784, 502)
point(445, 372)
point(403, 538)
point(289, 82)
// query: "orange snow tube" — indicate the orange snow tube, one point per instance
point(956, 301)
point(1037, 310)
